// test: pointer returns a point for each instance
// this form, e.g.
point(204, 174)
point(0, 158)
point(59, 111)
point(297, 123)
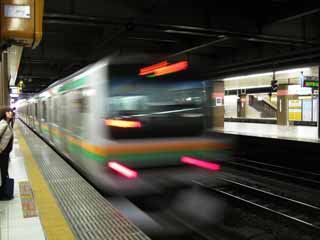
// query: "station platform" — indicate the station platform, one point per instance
point(296, 133)
point(52, 201)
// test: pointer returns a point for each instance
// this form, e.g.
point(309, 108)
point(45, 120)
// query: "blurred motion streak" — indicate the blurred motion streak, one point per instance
point(119, 168)
point(122, 123)
point(200, 163)
point(171, 68)
point(150, 69)
point(162, 68)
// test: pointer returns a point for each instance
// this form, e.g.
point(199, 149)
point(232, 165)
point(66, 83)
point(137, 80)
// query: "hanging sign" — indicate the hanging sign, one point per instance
point(17, 11)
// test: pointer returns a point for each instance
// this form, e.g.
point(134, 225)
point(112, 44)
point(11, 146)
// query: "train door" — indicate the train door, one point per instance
point(57, 133)
point(49, 118)
point(31, 116)
point(40, 115)
point(28, 115)
point(44, 117)
point(71, 114)
point(63, 121)
point(36, 118)
point(76, 119)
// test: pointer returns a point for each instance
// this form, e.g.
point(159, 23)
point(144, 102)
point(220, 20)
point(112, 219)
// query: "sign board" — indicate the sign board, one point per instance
point(218, 101)
point(295, 110)
point(297, 90)
point(17, 11)
point(312, 84)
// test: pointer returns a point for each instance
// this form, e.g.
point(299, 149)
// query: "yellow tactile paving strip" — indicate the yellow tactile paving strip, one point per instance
point(54, 224)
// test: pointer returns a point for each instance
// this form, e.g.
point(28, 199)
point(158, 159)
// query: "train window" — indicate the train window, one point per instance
point(59, 110)
point(81, 100)
point(78, 109)
point(162, 108)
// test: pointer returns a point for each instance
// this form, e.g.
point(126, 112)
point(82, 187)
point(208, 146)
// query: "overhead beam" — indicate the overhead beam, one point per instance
point(297, 16)
point(304, 57)
point(189, 50)
point(172, 28)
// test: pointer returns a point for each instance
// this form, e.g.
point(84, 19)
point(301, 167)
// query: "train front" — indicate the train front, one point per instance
point(155, 126)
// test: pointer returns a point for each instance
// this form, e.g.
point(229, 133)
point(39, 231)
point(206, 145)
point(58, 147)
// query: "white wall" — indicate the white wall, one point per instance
point(230, 106)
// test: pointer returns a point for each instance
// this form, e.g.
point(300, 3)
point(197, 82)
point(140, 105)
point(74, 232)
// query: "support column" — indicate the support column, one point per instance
point(4, 80)
point(242, 102)
point(282, 104)
point(218, 104)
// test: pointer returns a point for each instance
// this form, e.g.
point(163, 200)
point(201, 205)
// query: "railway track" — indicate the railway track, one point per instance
point(304, 178)
point(299, 213)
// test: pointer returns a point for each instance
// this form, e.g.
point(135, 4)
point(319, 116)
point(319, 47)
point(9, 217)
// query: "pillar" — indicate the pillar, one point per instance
point(242, 102)
point(282, 104)
point(218, 104)
point(4, 80)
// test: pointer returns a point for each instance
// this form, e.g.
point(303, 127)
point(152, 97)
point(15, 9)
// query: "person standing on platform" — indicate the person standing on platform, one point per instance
point(6, 144)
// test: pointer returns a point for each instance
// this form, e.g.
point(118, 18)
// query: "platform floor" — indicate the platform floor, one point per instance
point(14, 226)
point(298, 133)
point(52, 201)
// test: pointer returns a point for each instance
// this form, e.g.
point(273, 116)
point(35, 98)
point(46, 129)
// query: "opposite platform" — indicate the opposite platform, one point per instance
point(295, 133)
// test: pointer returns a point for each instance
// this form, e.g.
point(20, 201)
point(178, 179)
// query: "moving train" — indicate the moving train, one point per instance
point(128, 133)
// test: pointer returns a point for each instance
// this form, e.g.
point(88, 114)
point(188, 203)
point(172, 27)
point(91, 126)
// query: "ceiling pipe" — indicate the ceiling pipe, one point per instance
point(299, 15)
point(211, 43)
point(171, 28)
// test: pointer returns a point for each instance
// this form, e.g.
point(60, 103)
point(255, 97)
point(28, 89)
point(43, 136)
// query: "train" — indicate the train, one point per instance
point(128, 133)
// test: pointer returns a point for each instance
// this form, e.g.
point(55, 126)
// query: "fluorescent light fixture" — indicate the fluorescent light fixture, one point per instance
point(293, 70)
point(267, 74)
point(248, 76)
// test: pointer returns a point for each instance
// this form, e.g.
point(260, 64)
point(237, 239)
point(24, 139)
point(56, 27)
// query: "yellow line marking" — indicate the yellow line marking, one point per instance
point(52, 219)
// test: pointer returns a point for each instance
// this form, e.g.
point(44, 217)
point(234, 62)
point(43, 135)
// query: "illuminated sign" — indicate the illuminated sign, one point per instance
point(312, 84)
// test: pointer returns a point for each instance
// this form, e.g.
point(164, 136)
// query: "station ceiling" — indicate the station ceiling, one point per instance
point(221, 37)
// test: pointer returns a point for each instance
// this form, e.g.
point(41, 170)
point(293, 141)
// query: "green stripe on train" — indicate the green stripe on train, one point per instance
point(82, 152)
point(204, 154)
point(153, 156)
point(73, 84)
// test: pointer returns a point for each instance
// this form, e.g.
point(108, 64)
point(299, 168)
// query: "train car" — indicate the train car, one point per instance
point(128, 133)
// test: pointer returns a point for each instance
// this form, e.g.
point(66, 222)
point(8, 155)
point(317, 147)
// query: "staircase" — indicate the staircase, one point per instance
point(267, 109)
